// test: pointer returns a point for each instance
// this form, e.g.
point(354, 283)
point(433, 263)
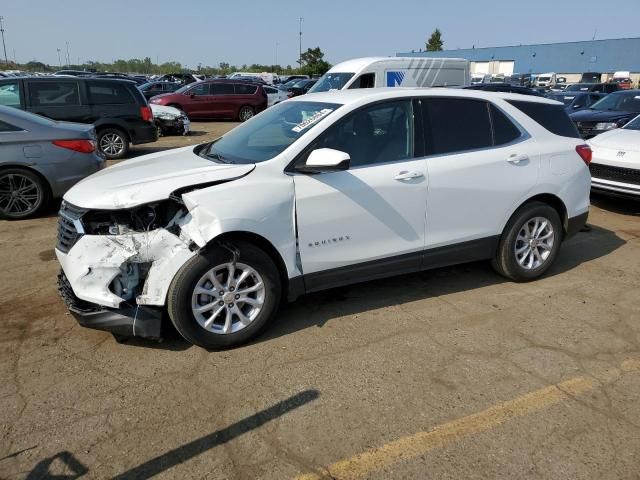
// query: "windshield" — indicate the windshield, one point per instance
point(268, 134)
point(544, 78)
point(566, 99)
point(331, 81)
point(577, 87)
point(623, 102)
point(633, 124)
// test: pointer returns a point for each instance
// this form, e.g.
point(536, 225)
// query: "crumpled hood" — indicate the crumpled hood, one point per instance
point(618, 139)
point(149, 178)
point(163, 110)
point(600, 115)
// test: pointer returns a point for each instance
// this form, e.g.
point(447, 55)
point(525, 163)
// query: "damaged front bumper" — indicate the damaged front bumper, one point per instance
point(125, 321)
point(118, 283)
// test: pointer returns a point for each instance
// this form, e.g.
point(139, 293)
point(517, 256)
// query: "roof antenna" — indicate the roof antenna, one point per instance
point(594, 33)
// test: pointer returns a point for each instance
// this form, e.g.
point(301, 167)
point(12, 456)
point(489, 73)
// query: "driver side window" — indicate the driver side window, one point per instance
point(375, 134)
point(202, 89)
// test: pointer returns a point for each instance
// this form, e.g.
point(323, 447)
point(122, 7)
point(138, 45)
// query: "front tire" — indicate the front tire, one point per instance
point(113, 143)
point(22, 193)
point(530, 242)
point(216, 304)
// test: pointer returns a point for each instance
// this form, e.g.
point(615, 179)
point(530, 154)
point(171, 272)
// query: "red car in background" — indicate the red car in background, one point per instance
point(217, 99)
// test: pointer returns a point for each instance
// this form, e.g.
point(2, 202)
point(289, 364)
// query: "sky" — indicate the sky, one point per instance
point(266, 32)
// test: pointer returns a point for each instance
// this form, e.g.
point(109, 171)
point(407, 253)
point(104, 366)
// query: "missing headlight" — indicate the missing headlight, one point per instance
point(139, 219)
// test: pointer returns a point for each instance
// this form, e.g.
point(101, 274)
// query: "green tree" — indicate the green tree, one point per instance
point(435, 43)
point(313, 62)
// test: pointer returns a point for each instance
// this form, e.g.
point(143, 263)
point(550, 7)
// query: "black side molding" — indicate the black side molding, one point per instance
point(575, 224)
point(470, 251)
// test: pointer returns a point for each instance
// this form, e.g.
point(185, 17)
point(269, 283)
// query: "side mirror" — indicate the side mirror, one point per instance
point(192, 95)
point(326, 160)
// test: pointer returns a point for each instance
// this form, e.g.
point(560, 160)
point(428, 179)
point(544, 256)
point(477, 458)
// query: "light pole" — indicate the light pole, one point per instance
point(300, 57)
point(59, 61)
point(3, 44)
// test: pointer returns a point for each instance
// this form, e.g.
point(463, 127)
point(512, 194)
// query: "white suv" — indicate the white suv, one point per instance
point(318, 192)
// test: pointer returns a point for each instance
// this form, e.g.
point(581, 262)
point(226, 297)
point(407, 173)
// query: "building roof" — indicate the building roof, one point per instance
point(571, 57)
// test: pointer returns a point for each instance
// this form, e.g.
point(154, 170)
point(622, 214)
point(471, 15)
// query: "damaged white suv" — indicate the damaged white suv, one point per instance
point(318, 192)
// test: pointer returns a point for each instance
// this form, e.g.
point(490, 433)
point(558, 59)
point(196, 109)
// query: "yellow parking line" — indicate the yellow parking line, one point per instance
point(418, 444)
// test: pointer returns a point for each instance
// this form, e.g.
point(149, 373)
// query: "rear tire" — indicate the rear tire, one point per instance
point(529, 243)
point(215, 305)
point(113, 143)
point(23, 193)
point(245, 113)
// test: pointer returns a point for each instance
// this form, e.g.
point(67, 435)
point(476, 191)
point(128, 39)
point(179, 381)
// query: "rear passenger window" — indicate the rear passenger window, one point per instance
point(109, 93)
point(10, 94)
point(551, 117)
point(54, 94)
point(242, 89)
point(504, 131)
point(455, 125)
point(222, 89)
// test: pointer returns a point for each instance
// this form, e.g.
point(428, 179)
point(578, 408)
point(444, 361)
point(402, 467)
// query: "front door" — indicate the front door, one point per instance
point(368, 221)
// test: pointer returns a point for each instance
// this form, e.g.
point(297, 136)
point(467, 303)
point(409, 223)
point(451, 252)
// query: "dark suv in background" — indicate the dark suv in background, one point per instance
point(217, 99)
point(116, 108)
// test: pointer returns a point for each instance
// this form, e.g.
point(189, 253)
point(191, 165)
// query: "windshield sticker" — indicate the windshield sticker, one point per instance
point(311, 120)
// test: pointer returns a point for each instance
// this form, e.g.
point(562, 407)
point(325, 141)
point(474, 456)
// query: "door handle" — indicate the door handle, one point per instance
point(516, 159)
point(405, 175)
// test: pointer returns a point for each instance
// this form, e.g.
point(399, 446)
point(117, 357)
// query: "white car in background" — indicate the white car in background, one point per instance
point(274, 95)
point(318, 192)
point(615, 168)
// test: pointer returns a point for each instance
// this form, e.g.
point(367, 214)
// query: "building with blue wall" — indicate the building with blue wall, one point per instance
point(606, 56)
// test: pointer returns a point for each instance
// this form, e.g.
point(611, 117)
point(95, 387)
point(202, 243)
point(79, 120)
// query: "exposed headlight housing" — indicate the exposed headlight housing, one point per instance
point(606, 126)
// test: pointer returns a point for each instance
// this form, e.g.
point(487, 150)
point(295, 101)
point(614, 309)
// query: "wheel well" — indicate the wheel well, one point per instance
point(264, 245)
point(116, 127)
point(556, 203)
point(46, 183)
point(175, 105)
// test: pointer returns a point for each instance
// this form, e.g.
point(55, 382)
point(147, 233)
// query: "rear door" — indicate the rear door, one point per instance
point(57, 99)
point(112, 99)
point(369, 220)
point(480, 165)
point(223, 102)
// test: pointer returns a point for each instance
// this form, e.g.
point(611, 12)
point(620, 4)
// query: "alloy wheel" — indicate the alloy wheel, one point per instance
point(228, 298)
point(246, 113)
point(19, 195)
point(112, 144)
point(534, 243)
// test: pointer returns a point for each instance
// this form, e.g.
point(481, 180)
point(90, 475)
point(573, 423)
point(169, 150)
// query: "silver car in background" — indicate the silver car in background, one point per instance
point(40, 159)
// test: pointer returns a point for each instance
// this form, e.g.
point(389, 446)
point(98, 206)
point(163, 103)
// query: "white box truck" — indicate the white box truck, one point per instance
point(376, 72)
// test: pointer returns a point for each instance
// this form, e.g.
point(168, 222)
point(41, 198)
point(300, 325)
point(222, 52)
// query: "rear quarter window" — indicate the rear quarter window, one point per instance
point(109, 93)
point(552, 117)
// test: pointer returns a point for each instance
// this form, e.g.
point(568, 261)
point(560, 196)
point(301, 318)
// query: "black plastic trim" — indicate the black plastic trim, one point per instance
point(473, 250)
point(575, 224)
point(140, 321)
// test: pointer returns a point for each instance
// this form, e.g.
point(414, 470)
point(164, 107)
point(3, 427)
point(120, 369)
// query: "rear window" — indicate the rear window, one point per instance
point(109, 93)
point(54, 94)
point(243, 89)
point(552, 117)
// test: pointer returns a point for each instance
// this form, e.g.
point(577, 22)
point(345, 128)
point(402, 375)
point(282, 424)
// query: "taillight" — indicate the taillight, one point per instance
point(585, 153)
point(147, 114)
point(82, 146)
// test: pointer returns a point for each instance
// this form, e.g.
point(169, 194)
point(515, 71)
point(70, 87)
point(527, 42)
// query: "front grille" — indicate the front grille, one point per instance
point(69, 226)
point(616, 174)
point(70, 299)
point(587, 129)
